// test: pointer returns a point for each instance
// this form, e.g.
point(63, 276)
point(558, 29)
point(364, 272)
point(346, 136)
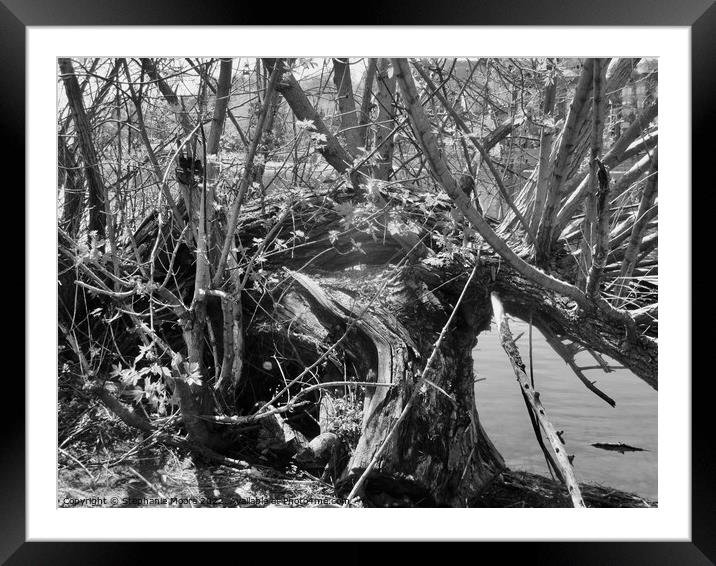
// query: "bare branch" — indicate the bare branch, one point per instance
point(427, 141)
point(556, 343)
point(637, 233)
point(332, 150)
point(244, 183)
point(566, 145)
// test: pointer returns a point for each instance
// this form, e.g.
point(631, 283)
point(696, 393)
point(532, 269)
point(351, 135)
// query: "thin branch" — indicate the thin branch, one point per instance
point(622, 149)
point(564, 352)
point(244, 183)
point(637, 233)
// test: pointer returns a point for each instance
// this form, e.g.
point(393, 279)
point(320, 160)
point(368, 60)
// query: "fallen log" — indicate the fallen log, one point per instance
point(560, 454)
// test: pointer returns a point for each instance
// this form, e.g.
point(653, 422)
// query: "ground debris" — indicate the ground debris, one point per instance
point(106, 464)
point(523, 489)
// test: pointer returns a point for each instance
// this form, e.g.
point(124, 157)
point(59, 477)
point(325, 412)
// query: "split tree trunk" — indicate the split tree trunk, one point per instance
point(440, 455)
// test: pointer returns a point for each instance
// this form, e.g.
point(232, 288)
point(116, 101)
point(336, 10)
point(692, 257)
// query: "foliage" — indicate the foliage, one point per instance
point(345, 421)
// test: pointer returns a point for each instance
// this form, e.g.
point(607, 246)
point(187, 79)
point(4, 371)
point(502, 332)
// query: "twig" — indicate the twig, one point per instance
point(149, 485)
point(80, 464)
point(250, 419)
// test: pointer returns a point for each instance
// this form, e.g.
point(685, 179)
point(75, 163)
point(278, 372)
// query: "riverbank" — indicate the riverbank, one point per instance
point(103, 463)
point(585, 418)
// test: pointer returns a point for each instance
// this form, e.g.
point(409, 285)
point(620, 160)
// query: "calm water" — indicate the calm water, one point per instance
point(571, 407)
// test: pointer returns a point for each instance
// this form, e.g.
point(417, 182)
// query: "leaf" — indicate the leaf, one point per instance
point(192, 374)
point(136, 395)
point(193, 379)
point(434, 261)
point(305, 125)
point(130, 376)
point(177, 360)
point(319, 138)
point(143, 351)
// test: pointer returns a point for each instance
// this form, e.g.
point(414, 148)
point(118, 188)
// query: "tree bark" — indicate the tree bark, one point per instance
point(590, 221)
point(95, 185)
point(545, 149)
point(559, 169)
point(366, 102)
point(386, 120)
point(441, 455)
point(346, 104)
point(73, 191)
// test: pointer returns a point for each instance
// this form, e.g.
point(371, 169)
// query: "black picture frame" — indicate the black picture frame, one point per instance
point(699, 15)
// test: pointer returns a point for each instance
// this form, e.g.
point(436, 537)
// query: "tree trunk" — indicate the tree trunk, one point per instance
point(73, 191)
point(440, 455)
point(441, 448)
point(366, 101)
point(95, 184)
point(386, 120)
point(346, 104)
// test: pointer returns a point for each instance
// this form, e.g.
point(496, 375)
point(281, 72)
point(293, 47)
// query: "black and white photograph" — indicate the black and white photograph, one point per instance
point(357, 282)
point(391, 280)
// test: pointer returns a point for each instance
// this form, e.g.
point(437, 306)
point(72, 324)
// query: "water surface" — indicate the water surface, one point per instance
point(571, 407)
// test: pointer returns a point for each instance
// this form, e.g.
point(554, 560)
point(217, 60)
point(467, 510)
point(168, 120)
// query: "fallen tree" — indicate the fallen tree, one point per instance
point(254, 312)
